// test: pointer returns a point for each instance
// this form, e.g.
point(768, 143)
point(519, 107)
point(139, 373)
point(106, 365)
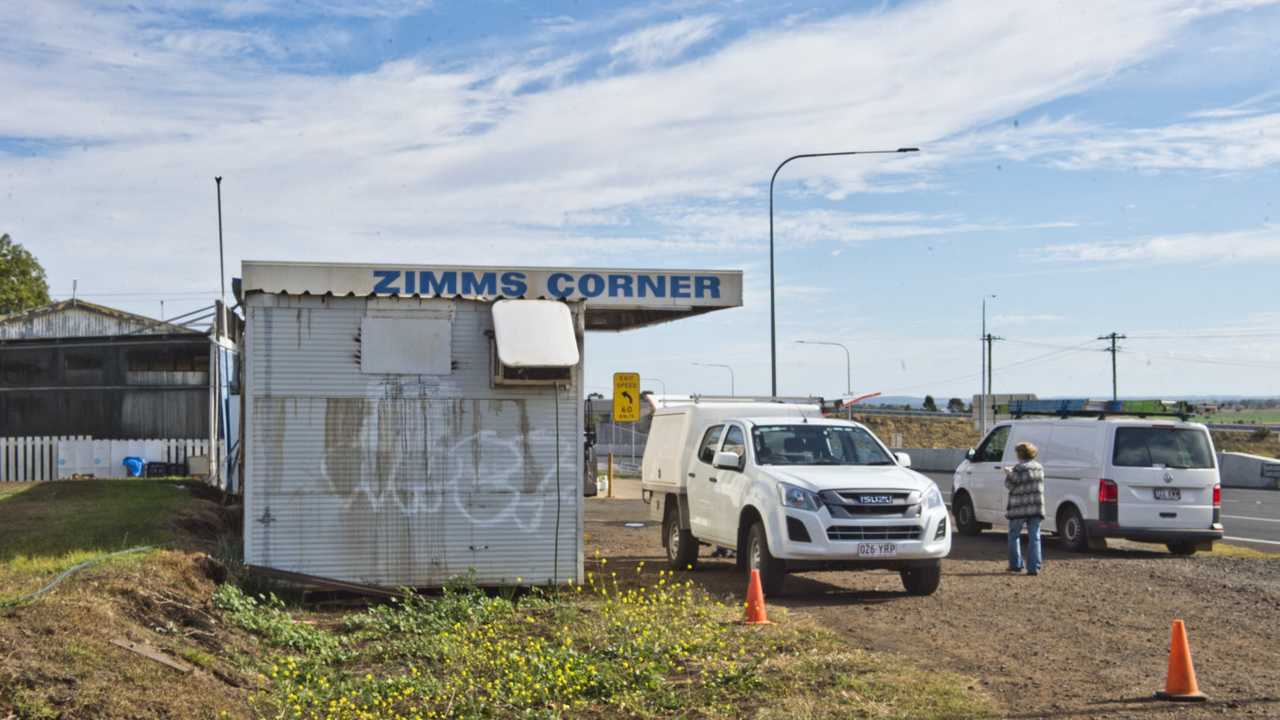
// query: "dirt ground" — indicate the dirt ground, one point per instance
point(1087, 638)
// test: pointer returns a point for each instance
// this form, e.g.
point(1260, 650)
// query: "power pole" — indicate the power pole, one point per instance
point(1113, 350)
point(992, 400)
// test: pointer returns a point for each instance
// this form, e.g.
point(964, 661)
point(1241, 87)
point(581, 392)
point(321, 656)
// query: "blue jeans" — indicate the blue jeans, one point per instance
point(1034, 560)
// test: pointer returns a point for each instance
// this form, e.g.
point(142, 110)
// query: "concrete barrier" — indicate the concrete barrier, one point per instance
point(1239, 470)
point(935, 459)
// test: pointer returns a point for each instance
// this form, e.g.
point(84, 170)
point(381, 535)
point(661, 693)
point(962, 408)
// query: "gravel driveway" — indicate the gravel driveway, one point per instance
point(1087, 638)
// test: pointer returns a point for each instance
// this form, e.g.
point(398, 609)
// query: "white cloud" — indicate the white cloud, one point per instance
point(1234, 138)
point(665, 42)
point(411, 161)
point(1261, 244)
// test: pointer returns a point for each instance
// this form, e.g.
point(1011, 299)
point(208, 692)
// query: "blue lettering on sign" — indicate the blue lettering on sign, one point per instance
point(386, 281)
point(619, 286)
point(707, 286)
point(446, 285)
point(555, 285)
point(485, 284)
point(651, 286)
point(680, 286)
point(514, 284)
point(561, 285)
point(590, 285)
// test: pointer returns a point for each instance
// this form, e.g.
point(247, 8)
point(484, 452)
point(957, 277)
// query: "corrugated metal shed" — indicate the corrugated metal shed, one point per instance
point(403, 479)
point(77, 318)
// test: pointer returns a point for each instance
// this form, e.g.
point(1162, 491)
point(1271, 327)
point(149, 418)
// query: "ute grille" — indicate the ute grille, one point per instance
point(873, 532)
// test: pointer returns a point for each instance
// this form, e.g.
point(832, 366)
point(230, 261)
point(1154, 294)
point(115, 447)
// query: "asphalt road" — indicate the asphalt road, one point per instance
point(1249, 517)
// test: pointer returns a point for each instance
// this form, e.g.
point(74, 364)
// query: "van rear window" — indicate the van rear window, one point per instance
point(1161, 446)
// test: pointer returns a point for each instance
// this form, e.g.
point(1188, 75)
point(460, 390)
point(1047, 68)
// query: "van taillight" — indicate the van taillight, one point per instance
point(1108, 492)
point(1217, 495)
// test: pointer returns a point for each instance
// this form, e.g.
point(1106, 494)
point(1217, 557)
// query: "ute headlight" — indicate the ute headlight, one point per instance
point(798, 497)
point(933, 497)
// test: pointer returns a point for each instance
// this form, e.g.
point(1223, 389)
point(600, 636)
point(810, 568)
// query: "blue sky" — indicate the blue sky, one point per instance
point(1098, 166)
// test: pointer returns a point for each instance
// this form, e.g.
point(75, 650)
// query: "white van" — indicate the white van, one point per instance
point(787, 490)
point(1137, 479)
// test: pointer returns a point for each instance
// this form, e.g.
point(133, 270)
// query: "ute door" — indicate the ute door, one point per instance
point(731, 486)
point(1164, 476)
point(701, 482)
point(986, 479)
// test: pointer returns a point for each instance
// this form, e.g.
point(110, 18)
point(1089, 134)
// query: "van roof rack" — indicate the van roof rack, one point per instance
point(1100, 409)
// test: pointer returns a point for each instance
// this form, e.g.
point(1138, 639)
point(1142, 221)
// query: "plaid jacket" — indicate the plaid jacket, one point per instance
point(1025, 484)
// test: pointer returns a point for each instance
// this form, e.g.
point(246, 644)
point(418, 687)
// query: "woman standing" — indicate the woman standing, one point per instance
point(1025, 483)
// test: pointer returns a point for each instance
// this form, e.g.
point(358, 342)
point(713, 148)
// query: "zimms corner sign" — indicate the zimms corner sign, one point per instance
point(599, 287)
point(558, 284)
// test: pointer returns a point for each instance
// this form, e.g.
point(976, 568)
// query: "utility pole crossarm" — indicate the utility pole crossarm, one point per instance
point(1115, 395)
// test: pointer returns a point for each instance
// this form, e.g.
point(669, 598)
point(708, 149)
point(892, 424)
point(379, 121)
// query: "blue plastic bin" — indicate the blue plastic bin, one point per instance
point(134, 466)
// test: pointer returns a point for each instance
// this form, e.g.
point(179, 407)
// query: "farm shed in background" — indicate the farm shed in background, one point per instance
point(75, 368)
point(407, 425)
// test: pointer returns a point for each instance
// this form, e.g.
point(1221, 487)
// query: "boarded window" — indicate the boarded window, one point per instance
point(406, 346)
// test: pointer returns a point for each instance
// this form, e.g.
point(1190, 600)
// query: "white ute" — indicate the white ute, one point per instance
point(788, 490)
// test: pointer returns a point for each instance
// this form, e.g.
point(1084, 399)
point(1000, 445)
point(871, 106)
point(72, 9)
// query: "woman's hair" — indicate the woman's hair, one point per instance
point(1026, 451)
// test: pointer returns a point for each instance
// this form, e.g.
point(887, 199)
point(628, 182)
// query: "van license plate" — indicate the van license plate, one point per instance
point(1168, 494)
point(877, 550)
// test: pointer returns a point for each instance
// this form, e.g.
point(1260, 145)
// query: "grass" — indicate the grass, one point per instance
point(597, 650)
point(1260, 416)
point(1222, 549)
point(601, 649)
point(51, 526)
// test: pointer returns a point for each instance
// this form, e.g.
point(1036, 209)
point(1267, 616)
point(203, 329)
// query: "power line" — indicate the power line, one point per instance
point(1204, 360)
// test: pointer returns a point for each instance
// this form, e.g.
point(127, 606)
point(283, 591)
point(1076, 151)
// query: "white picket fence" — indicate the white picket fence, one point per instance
point(51, 458)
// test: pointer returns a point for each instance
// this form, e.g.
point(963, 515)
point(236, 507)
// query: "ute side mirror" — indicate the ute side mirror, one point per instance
point(971, 454)
point(729, 461)
point(903, 459)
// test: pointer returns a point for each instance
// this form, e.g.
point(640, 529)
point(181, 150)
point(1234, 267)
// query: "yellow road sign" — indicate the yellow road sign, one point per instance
point(626, 397)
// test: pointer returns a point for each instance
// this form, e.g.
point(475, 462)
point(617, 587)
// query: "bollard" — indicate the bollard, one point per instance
point(609, 474)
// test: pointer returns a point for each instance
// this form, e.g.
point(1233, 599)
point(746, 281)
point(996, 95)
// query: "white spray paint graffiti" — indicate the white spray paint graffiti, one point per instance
point(405, 463)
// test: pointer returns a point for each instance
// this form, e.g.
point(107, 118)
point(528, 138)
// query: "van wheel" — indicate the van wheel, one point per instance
point(772, 570)
point(682, 546)
point(922, 579)
point(1072, 530)
point(1182, 547)
point(966, 517)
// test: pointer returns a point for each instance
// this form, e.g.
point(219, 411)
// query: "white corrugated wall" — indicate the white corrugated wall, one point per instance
point(403, 480)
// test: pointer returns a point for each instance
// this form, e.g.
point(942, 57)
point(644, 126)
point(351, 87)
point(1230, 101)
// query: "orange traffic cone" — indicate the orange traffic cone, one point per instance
point(1180, 683)
point(755, 602)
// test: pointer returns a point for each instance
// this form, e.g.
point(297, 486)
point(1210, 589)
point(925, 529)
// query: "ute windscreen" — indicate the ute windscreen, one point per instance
point(816, 445)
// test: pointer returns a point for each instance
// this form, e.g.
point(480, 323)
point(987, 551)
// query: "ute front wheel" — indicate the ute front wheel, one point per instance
point(772, 570)
point(922, 579)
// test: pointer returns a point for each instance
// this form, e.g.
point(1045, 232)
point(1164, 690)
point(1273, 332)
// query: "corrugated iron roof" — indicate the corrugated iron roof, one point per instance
point(42, 322)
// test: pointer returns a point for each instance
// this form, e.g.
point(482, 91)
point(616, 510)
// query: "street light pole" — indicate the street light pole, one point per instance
point(664, 389)
point(732, 390)
point(773, 318)
point(982, 372)
point(848, 366)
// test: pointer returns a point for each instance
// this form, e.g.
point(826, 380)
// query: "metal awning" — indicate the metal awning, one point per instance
point(614, 298)
point(534, 334)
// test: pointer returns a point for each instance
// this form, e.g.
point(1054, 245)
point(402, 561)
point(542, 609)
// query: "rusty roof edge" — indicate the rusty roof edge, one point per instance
point(60, 305)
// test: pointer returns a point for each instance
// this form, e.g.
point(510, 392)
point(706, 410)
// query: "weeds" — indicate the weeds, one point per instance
point(595, 649)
